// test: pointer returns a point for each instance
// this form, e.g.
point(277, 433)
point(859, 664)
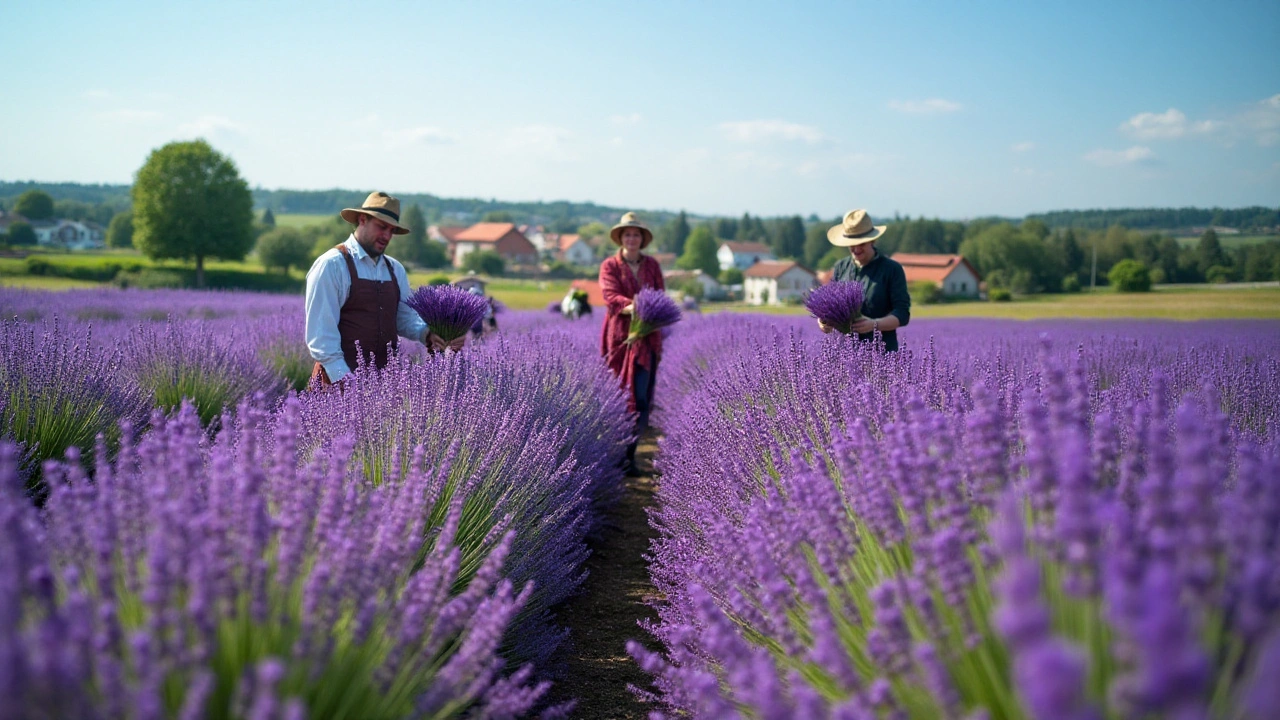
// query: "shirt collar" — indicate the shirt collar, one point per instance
point(357, 250)
point(872, 260)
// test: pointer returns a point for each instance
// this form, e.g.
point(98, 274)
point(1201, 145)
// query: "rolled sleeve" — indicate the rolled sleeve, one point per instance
point(409, 324)
point(328, 287)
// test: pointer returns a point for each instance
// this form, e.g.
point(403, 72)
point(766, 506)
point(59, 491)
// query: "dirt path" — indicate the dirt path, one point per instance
point(593, 665)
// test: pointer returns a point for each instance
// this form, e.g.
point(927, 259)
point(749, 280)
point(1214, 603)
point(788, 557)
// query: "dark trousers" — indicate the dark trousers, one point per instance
point(642, 389)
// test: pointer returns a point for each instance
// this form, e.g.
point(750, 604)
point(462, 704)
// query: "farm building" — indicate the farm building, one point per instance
point(772, 282)
point(951, 273)
point(711, 287)
point(502, 238)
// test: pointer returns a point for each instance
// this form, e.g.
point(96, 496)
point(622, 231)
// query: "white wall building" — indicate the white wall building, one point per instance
point(743, 255)
point(772, 282)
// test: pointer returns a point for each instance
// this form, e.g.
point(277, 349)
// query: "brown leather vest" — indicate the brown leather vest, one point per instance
point(369, 315)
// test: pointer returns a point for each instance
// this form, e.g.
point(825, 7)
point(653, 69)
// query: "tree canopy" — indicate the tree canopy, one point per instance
point(189, 201)
point(21, 233)
point(284, 247)
point(120, 231)
point(700, 252)
point(34, 205)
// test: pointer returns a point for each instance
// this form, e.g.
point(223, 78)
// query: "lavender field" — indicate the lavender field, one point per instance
point(1006, 519)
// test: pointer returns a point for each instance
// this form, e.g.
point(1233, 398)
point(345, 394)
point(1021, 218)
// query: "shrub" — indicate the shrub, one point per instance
point(1219, 274)
point(439, 280)
point(1071, 284)
point(485, 262)
point(21, 233)
point(283, 248)
point(999, 295)
point(1130, 276)
point(925, 292)
point(692, 287)
point(148, 279)
point(731, 276)
point(37, 265)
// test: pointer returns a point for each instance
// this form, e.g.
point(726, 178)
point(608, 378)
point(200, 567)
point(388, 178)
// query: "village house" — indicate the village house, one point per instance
point(571, 248)
point(951, 273)
point(542, 240)
point(773, 282)
point(446, 234)
point(503, 238)
point(742, 255)
point(70, 234)
point(711, 287)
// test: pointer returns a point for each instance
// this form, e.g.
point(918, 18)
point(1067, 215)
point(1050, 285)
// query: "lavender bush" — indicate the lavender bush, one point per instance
point(838, 304)
point(652, 310)
point(229, 579)
point(58, 391)
point(827, 542)
point(449, 311)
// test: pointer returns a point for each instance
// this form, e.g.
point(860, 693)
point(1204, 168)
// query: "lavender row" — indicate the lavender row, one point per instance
point(988, 525)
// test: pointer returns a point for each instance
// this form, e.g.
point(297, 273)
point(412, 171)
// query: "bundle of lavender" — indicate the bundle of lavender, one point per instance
point(838, 304)
point(652, 310)
point(448, 311)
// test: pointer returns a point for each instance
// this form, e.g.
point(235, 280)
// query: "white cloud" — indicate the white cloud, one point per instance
point(1113, 158)
point(1167, 125)
point(621, 120)
point(130, 116)
point(932, 106)
point(95, 94)
point(423, 135)
point(769, 130)
point(211, 125)
point(1262, 120)
point(1022, 147)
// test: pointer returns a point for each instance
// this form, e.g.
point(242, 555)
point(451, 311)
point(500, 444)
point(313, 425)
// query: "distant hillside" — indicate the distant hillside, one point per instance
point(1250, 219)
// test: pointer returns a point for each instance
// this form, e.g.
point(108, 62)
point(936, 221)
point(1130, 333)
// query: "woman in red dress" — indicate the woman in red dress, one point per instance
point(621, 277)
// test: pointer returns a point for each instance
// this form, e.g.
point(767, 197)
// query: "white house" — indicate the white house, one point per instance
point(772, 282)
point(71, 234)
point(742, 255)
point(571, 248)
point(952, 273)
point(711, 287)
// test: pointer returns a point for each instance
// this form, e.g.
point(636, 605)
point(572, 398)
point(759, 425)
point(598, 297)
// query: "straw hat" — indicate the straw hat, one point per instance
point(855, 230)
point(379, 205)
point(629, 220)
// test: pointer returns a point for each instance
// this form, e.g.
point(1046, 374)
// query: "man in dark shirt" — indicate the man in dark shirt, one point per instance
point(887, 304)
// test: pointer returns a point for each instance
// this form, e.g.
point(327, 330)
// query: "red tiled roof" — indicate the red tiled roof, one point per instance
point(920, 267)
point(485, 232)
point(747, 248)
point(772, 268)
point(450, 232)
point(567, 240)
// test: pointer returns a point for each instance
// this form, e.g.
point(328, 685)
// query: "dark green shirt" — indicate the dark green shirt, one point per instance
point(884, 286)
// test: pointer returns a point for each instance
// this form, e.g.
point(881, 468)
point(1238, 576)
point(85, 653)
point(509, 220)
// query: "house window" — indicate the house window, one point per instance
point(964, 287)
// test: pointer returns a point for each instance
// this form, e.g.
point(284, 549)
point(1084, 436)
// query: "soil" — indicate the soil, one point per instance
point(592, 665)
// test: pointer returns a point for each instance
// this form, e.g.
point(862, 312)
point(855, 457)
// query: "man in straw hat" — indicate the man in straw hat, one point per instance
point(622, 276)
point(887, 304)
point(356, 295)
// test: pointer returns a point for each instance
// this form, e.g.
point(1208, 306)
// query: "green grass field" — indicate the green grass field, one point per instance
point(1230, 241)
point(299, 220)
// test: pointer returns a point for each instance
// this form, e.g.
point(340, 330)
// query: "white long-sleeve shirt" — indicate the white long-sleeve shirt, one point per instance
point(329, 285)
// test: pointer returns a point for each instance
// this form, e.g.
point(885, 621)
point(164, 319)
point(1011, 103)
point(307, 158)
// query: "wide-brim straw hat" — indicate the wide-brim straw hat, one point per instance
point(379, 205)
point(855, 230)
point(629, 220)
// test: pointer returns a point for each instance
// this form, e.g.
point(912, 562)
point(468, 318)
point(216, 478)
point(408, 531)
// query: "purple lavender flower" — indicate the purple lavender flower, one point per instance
point(653, 310)
point(449, 311)
point(838, 304)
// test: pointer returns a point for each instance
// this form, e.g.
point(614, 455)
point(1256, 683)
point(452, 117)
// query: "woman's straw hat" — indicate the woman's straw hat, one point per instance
point(855, 230)
point(379, 205)
point(629, 220)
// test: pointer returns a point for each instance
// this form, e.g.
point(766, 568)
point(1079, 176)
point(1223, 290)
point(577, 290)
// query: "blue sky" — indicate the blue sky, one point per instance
point(951, 110)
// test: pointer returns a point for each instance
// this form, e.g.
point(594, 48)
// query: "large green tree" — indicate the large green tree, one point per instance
point(700, 252)
point(34, 205)
point(120, 231)
point(412, 246)
point(21, 233)
point(1209, 251)
point(189, 202)
point(788, 237)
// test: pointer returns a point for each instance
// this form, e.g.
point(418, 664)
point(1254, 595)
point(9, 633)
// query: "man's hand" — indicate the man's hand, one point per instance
point(436, 343)
point(825, 328)
point(457, 343)
point(864, 326)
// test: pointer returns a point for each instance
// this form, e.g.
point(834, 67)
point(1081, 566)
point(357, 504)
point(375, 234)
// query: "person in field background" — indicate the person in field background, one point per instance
point(356, 295)
point(622, 276)
point(887, 303)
